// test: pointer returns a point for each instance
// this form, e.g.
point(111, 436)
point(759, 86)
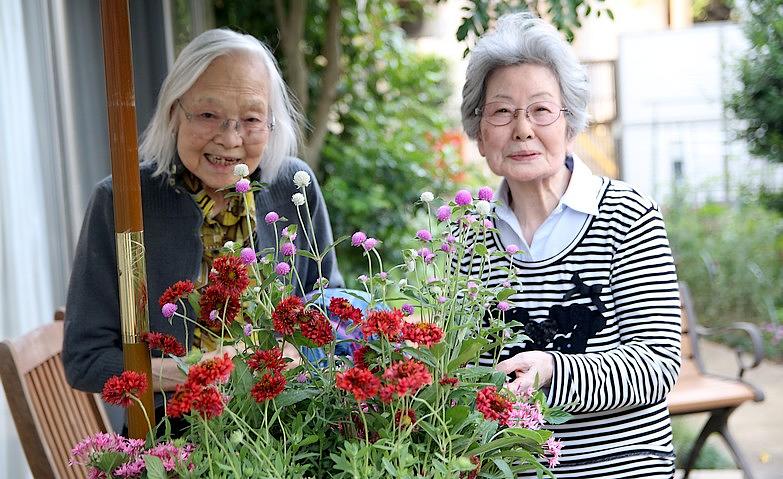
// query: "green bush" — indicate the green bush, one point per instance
point(730, 256)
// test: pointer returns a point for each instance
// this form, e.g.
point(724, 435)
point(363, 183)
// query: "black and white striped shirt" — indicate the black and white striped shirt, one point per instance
point(612, 369)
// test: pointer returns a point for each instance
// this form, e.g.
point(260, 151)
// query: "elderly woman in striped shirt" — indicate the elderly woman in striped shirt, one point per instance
point(596, 289)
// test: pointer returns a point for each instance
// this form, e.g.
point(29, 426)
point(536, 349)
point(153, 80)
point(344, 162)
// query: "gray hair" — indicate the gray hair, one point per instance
point(159, 141)
point(517, 39)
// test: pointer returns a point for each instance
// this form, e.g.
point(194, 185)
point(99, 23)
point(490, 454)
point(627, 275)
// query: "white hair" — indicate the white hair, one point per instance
point(521, 38)
point(159, 141)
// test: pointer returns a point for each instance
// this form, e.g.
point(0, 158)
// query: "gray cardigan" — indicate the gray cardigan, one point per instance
point(92, 347)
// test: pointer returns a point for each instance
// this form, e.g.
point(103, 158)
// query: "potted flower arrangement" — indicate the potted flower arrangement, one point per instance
point(389, 381)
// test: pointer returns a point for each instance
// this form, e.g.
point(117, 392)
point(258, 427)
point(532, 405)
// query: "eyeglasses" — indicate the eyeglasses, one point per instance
point(207, 125)
point(541, 113)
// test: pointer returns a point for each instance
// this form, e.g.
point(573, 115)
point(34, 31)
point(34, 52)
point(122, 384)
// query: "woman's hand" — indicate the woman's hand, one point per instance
point(290, 351)
point(527, 365)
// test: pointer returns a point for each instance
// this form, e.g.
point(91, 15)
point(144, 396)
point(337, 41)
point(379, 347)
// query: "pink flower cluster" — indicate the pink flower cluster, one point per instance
point(89, 452)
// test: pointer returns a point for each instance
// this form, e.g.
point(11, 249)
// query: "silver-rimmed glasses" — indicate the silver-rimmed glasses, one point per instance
point(541, 113)
point(207, 125)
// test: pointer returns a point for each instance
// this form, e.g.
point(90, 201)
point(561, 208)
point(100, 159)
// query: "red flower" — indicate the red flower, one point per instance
point(166, 343)
point(316, 327)
point(359, 359)
point(492, 405)
point(448, 381)
point(210, 371)
point(120, 390)
point(404, 377)
point(190, 396)
point(405, 419)
point(359, 382)
point(230, 273)
point(286, 315)
point(268, 387)
point(387, 323)
point(343, 309)
point(182, 400)
point(269, 359)
point(178, 290)
point(215, 298)
point(425, 334)
point(209, 402)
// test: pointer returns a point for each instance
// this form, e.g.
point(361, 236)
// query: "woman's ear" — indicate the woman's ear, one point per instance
point(480, 143)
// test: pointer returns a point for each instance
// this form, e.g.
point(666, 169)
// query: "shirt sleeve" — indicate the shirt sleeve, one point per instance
point(644, 367)
point(92, 343)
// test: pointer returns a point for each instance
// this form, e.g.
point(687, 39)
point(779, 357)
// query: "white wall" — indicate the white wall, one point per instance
point(672, 86)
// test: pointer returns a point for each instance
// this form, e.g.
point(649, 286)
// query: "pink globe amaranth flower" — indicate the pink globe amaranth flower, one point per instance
point(363, 278)
point(512, 249)
point(288, 249)
point(424, 235)
point(488, 224)
point(370, 243)
point(485, 193)
point(447, 248)
point(450, 239)
point(282, 268)
point(442, 299)
point(291, 236)
point(383, 275)
point(243, 185)
point(213, 315)
point(358, 238)
point(407, 309)
point(503, 306)
point(271, 217)
point(463, 197)
point(248, 329)
point(248, 256)
point(168, 310)
point(443, 213)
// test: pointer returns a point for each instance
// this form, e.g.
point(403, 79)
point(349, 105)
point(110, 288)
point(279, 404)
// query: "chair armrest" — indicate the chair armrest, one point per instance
point(756, 339)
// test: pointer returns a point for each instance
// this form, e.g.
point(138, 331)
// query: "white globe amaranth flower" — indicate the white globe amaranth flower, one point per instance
point(427, 197)
point(241, 170)
point(483, 207)
point(402, 283)
point(411, 266)
point(298, 199)
point(228, 245)
point(302, 179)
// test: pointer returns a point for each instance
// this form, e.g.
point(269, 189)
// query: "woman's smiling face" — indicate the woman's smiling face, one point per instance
point(234, 86)
point(521, 151)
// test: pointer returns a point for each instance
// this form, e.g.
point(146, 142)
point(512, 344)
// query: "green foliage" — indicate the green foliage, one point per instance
point(759, 100)
point(730, 256)
point(565, 15)
point(386, 147)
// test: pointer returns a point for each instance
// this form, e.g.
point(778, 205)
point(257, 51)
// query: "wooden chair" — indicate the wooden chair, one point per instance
point(50, 416)
point(697, 391)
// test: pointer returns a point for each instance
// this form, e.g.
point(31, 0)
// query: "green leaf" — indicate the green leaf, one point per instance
point(556, 416)
point(108, 461)
point(307, 254)
point(505, 294)
point(480, 249)
point(155, 469)
point(455, 415)
point(503, 467)
point(469, 349)
point(287, 398)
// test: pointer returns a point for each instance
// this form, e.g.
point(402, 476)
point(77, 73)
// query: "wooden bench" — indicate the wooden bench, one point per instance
point(697, 391)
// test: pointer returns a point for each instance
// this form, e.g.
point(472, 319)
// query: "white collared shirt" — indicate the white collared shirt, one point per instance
point(562, 226)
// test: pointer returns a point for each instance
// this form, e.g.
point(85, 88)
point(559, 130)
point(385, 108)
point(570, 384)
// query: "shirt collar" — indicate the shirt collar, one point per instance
point(581, 194)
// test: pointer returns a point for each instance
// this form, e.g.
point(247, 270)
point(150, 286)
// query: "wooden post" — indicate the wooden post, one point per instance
point(128, 224)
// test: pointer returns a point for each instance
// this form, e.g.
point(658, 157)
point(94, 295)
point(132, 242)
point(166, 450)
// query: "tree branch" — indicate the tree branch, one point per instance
point(291, 37)
point(332, 53)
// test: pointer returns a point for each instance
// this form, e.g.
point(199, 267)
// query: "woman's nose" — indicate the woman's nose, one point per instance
point(523, 127)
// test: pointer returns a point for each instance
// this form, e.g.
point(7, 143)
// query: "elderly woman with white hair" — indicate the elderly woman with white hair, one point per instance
point(222, 105)
point(596, 288)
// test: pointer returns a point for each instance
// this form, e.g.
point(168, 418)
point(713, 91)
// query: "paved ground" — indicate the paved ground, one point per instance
point(758, 427)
